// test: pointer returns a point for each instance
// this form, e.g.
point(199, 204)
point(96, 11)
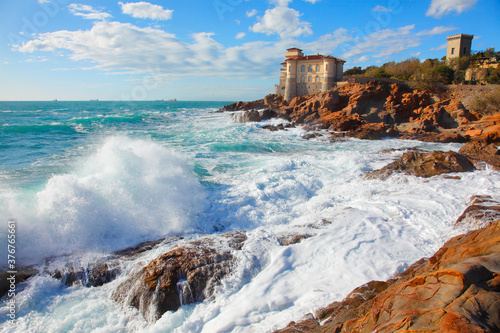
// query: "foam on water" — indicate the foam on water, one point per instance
point(124, 192)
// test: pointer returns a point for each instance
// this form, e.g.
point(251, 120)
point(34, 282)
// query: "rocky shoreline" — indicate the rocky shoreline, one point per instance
point(457, 289)
point(378, 110)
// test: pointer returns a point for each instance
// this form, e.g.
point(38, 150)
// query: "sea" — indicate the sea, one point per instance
point(80, 180)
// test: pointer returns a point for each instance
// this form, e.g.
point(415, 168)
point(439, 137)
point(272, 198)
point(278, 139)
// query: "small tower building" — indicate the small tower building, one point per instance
point(459, 46)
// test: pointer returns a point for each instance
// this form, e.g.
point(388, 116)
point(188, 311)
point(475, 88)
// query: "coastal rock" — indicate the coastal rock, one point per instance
point(486, 129)
point(91, 275)
point(22, 274)
point(246, 116)
point(480, 151)
point(187, 274)
point(481, 210)
point(424, 164)
point(373, 131)
point(456, 290)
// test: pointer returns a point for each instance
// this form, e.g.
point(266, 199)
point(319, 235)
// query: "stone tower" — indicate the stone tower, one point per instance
point(459, 46)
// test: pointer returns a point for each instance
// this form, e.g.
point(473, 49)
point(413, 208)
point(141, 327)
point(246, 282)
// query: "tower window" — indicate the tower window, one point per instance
point(309, 79)
point(452, 50)
point(302, 77)
point(317, 68)
point(465, 50)
point(310, 69)
point(303, 68)
point(317, 78)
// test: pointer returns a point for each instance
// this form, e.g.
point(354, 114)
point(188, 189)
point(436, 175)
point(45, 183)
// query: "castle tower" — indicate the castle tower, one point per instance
point(291, 79)
point(459, 46)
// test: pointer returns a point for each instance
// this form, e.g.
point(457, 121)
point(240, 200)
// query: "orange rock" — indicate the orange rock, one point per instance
point(456, 290)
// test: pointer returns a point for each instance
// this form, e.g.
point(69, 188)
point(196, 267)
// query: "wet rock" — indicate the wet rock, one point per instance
point(424, 164)
point(267, 114)
point(481, 210)
point(187, 274)
point(480, 151)
point(246, 116)
point(308, 324)
point(309, 136)
point(21, 274)
point(90, 275)
point(456, 290)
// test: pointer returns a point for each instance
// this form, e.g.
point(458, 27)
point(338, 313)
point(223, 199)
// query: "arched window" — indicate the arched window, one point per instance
point(317, 68)
point(310, 69)
point(309, 79)
point(317, 79)
point(302, 77)
point(303, 68)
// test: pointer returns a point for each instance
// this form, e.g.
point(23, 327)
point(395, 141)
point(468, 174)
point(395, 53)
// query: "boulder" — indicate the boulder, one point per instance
point(481, 210)
point(246, 116)
point(481, 151)
point(187, 274)
point(424, 164)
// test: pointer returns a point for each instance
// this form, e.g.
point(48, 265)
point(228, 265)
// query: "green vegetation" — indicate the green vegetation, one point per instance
point(435, 71)
point(489, 104)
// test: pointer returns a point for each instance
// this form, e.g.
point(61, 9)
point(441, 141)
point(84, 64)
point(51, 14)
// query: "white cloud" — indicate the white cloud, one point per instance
point(383, 43)
point(439, 8)
point(440, 47)
point(251, 13)
point(146, 10)
point(240, 35)
point(436, 31)
point(312, 1)
point(123, 48)
point(43, 1)
point(87, 12)
point(382, 9)
point(283, 21)
point(415, 54)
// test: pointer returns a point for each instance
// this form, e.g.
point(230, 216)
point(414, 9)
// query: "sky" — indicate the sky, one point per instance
point(225, 50)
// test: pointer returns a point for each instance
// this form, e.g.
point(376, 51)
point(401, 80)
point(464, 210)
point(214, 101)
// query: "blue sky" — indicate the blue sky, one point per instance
point(213, 49)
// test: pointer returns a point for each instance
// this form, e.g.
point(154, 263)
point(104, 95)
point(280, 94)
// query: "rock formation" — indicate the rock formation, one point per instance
point(424, 164)
point(399, 110)
point(187, 274)
point(456, 290)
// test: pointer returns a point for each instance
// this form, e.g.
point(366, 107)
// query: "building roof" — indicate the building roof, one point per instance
point(315, 57)
point(460, 36)
point(293, 48)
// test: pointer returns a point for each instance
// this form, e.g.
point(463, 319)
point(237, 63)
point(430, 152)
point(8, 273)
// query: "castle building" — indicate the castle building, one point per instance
point(459, 46)
point(305, 74)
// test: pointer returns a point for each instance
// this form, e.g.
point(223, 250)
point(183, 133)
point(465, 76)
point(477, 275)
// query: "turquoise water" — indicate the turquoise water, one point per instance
point(82, 179)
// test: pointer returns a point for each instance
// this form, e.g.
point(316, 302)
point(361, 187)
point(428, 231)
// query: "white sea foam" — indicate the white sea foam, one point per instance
point(124, 192)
